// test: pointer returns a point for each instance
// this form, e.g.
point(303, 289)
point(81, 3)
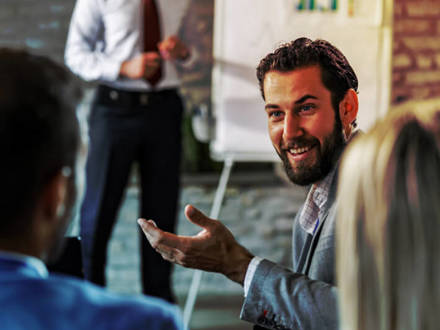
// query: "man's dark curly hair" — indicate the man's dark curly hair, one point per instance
point(337, 74)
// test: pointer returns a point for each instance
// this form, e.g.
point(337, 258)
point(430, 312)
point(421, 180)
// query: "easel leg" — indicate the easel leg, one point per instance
point(197, 276)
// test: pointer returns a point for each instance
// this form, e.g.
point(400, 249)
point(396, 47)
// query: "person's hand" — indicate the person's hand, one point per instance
point(213, 249)
point(142, 66)
point(173, 48)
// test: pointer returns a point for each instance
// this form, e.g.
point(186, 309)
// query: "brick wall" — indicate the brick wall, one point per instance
point(416, 50)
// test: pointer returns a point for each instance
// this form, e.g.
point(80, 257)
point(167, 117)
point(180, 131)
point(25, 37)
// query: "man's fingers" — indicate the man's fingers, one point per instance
point(171, 247)
point(152, 222)
point(158, 237)
point(150, 56)
point(148, 227)
point(152, 64)
point(170, 254)
point(197, 217)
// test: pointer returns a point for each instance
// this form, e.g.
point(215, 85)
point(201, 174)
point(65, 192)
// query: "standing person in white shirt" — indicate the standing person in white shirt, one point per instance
point(131, 49)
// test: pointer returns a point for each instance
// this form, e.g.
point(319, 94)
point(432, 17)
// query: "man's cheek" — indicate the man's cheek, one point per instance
point(275, 136)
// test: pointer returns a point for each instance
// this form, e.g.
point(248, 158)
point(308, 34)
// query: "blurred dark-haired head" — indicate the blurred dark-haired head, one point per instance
point(39, 132)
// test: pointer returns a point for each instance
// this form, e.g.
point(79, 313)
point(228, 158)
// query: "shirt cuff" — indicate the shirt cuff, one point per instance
point(250, 273)
point(110, 70)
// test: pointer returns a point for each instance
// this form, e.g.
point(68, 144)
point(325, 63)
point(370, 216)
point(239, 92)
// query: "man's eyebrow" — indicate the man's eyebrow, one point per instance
point(271, 106)
point(299, 101)
point(304, 98)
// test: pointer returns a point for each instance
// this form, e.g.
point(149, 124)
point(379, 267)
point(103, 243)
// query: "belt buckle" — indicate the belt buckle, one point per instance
point(114, 95)
point(143, 99)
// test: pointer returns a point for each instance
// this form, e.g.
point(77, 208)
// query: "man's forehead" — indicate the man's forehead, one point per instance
point(308, 73)
point(295, 83)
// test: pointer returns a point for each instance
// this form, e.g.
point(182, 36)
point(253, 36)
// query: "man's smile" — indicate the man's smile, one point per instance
point(298, 154)
point(301, 150)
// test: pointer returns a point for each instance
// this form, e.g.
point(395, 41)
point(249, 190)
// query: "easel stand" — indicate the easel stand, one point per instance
point(197, 275)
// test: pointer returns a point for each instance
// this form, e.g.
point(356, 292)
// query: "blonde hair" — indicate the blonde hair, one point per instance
point(388, 227)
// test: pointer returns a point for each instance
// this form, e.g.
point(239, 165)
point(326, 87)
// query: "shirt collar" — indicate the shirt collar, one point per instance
point(36, 264)
point(321, 190)
point(317, 198)
point(315, 203)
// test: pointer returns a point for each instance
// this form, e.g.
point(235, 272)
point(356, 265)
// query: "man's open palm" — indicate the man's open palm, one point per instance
point(213, 249)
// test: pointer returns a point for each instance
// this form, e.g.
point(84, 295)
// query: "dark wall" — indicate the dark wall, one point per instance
point(39, 25)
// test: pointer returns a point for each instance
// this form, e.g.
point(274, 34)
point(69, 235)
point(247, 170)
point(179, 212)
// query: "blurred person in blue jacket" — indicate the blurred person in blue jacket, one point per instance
point(39, 137)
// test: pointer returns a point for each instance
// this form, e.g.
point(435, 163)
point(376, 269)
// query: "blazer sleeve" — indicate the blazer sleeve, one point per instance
point(281, 299)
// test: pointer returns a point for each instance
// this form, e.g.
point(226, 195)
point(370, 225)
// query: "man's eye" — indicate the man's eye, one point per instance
point(275, 114)
point(307, 108)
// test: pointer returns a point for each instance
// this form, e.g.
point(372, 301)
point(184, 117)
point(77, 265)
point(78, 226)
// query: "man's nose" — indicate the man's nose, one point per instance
point(292, 127)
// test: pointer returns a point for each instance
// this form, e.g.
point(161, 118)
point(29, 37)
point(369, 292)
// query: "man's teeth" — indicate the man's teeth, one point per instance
point(296, 151)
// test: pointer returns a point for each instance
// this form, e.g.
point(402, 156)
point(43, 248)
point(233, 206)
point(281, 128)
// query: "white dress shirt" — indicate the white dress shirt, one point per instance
point(105, 33)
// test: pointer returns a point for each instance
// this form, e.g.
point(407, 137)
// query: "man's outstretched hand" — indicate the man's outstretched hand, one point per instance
point(213, 249)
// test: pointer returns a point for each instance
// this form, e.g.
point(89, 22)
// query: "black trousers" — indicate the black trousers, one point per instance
point(128, 127)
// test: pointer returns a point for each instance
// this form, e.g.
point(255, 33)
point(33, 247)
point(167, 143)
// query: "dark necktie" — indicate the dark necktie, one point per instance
point(152, 34)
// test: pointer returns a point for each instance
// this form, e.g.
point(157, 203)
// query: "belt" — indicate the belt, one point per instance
point(117, 97)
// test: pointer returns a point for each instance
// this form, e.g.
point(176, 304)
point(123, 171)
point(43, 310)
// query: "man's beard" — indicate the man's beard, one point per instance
point(328, 155)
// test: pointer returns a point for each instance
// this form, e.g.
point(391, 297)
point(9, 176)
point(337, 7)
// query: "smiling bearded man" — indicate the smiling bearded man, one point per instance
point(310, 91)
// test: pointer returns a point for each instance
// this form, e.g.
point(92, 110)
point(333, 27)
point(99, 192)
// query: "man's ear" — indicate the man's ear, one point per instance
point(54, 196)
point(348, 109)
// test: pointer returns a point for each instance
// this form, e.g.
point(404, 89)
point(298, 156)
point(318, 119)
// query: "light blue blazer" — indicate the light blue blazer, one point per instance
point(305, 298)
point(29, 300)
